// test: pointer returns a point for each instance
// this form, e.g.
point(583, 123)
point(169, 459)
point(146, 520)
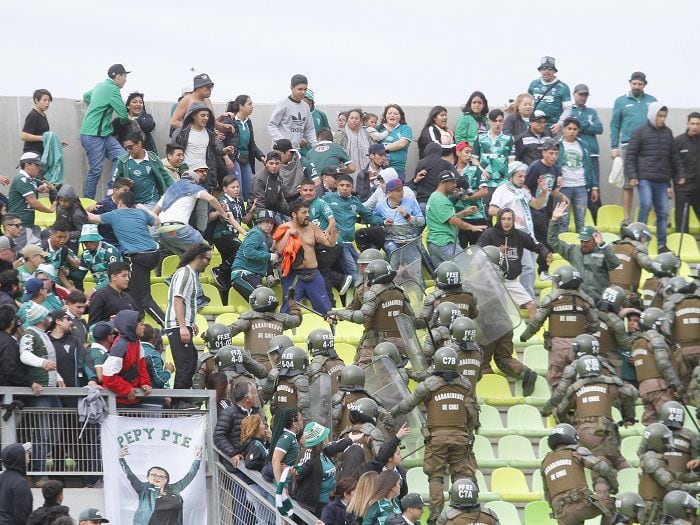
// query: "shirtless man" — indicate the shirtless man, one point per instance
point(306, 280)
point(203, 86)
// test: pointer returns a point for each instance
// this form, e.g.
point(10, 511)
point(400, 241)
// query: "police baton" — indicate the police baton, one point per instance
point(413, 451)
point(324, 316)
point(685, 220)
point(692, 417)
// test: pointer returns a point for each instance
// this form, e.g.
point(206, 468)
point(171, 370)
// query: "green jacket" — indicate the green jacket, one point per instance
point(588, 171)
point(254, 253)
point(103, 100)
point(467, 128)
point(590, 127)
point(628, 113)
point(161, 175)
point(594, 266)
point(346, 211)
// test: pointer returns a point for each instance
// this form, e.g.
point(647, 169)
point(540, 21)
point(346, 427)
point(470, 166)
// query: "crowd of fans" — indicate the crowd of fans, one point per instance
point(75, 296)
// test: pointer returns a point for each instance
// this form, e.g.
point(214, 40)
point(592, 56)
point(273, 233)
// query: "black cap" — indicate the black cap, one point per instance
point(330, 171)
point(448, 176)
point(102, 330)
point(299, 79)
point(201, 81)
point(549, 145)
point(283, 145)
point(412, 501)
point(638, 75)
point(116, 69)
point(581, 88)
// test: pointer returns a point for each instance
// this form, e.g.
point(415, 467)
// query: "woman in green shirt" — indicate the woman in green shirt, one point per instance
point(247, 151)
point(473, 121)
point(383, 502)
point(287, 423)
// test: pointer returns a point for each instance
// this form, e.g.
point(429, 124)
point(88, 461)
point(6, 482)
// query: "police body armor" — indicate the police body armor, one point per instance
point(332, 367)
point(606, 336)
point(371, 441)
point(464, 301)
point(567, 316)
point(390, 303)
point(348, 402)
point(680, 454)
point(686, 326)
point(562, 472)
point(652, 290)
point(593, 400)
point(644, 359)
point(472, 517)
point(263, 327)
point(445, 407)
point(628, 273)
point(286, 395)
point(649, 488)
point(469, 358)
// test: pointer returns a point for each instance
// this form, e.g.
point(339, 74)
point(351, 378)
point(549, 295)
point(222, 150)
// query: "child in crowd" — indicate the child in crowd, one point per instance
point(369, 121)
point(152, 344)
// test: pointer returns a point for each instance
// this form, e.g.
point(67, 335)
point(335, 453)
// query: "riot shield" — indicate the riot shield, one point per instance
point(383, 382)
point(414, 350)
point(498, 314)
point(320, 393)
point(409, 274)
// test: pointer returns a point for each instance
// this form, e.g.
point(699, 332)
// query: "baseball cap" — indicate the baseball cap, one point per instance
point(198, 165)
point(299, 79)
point(462, 145)
point(30, 157)
point(377, 149)
point(7, 244)
point(394, 184)
point(448, 176)
point(32, 249)
point(586, 233)
point(537, 115)
point(330, 171)
point(202, 80)
point(283, 145)
point(31, 287)
point(581, 88)
point(549, 145)
point(638, 75)
point(57, 315)
point(116, 69)
point(515, 167)
point(101, 330)
point(412, 501)
point(92, 514)
point(27, 446)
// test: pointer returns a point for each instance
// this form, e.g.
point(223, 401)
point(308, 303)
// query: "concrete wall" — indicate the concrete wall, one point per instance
point(65, 117)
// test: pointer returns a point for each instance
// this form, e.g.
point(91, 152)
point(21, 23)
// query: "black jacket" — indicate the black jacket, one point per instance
point(383, 456)
point(651, 154)
point(12, 371)
point(428, 135)
point(143, 123)
point(15, 495)
point(516, 241)
point(46, 514)
point(334, 513)
point(6, 298)
point(307, 483)
point(267, 189)
point(107, 302)
point(433, 164)
point(227, 432)
point(688, 149)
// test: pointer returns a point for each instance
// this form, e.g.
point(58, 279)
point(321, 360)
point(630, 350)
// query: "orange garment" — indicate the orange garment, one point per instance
point(289, 253)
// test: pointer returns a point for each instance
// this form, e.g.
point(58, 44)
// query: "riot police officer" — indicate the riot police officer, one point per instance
point(390, 350)
point(238, 365)
point(663, 267)
point(629, 507)
point(447, 441)
point(633, 255)
point(683, 309)
point(571, 312)
point(680, 508)
point(464, 507)
point(656, 478)
point(657, 376)
point(366, 257)
point(381, 303)
point(264, 322)
point(215, 337)
point(686, 443)
point(564, 480)
point(449, 287)
point(321, 345)
point(612, 336)
point(439, 336)
point(364, 418)
point(288, 385)
point(276, 346)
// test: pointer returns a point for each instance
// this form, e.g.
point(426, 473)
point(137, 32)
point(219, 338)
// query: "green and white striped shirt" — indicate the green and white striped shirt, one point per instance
point(185, 284)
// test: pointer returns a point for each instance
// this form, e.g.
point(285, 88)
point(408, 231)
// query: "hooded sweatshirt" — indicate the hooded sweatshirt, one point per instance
point(515, 241)
point(125, 367)
point(650, 153)
point(15, 496)
point(75, 215)
point(214, 149)
point(434, 164)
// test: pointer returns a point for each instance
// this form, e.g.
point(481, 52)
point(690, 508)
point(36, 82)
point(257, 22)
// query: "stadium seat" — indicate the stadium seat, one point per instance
point(202, 324)
point(570, 237)
point(159, 292)
point(495, 390)
point(628, 479)
point(484, 493)
point(87, 201)
point(348, 332)
point(525, 420)
point(629, 447)
point(587, 220)
point(308, 323)
point(418, 481)
point(543, 448)
point(517, 451)
point(237, 301)
point(506, 512)
point(609, 218)
point(536, 358)
point(215, 306)
point(690, 422)
point(536, 482)
point(510, 483)
point(44, 220)
point(689, 251)
point(227, 318)
point(483, 451)
point(536, 339)
point(540, 395)
point(490, 422)
point(634, 430)
point(537, 513)
point(346, 352)
point(169, 265)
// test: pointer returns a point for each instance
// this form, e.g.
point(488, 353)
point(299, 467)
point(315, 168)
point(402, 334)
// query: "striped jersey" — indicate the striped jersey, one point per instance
point(185, 284)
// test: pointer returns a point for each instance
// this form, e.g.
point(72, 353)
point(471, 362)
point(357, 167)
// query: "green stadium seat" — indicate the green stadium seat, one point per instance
point(593, 521)
point(169, 265)
point(483, 451)
point(237, 301)
point(484, 493)
point(536, 482)
point(228, 318)
point(628, 449)
point(511, 485)
point(536, 358)
point(610, 237)
point(495, 390)
point(628, 479)
point(689, 422)
point(517, 451)
point(540, 395)
point(348, 332)
point(609, 218)
point(525, 420)
point(569, 237)
point(215, 306)
point(536, 339)
point(587, 220)
point(506, 512)
point(346, 352)
point(538, 513)
point(418, 481)
point(490, 422)
point(689, 251)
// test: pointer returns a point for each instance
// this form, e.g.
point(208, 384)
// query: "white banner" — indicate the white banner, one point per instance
point(154, 471)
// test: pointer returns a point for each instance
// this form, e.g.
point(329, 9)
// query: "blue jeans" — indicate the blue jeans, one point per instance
point(578, 195)
point(527, 274)
point(177, 241)
point(440, 254)
point(348, 262)
point(244, 174)
point(96, 149)
point(651, 192)
point(314, 291)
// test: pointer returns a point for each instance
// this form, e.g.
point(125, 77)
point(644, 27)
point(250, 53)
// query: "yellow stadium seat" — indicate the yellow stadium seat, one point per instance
point(215, 305)
point(484, 493)
point(44, 220)
point(510, 483)
point(495, 390)
point(228, 318)
point(159, 292)
point(346, 352)
point(609, 218)
point(689, 251)
point(169, 265)
point(202, 325)
point(569, 237)
point(87, 201)
point(348, 332)
point(237, 301)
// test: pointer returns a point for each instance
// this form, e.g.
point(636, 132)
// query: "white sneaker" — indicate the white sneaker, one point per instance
point(544, 276)
point(346, 285)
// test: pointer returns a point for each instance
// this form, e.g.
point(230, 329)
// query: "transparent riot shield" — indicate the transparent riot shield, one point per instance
point(320, 392)
point(498, 314)
point(409, 275)
point(414, 350)
point(383, 382)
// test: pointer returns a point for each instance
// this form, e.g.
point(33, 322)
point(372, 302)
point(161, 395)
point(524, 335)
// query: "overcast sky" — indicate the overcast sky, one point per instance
point(413, 52)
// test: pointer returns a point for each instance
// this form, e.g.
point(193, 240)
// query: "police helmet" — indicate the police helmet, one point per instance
point(612, 300)
point(352, 378)
point(447, 275)
point(654, 319)
point(567, 278)
point(228, 356)
point(681, 285)
point(388, 349)
point(279, 343)
point(294, 358)
point(446, 312)
point(672, 415)
point(369, 255)
point(463, 330)
point(562, 434)
point(629, 504)
point(320, 341)
point(464, 493)
point(366, 406)
point(493, 253)
point(657, 437)
point(637, 231)
point(585, 344)
point(445, 359)
point(263, 299)
point(216, 337)
point(587, 366)
point(380, 272)
point(665, 265)
point(680, 504)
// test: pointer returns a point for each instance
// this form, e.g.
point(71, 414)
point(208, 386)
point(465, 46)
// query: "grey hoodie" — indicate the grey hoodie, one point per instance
point(292, 120)
point(653, 110)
